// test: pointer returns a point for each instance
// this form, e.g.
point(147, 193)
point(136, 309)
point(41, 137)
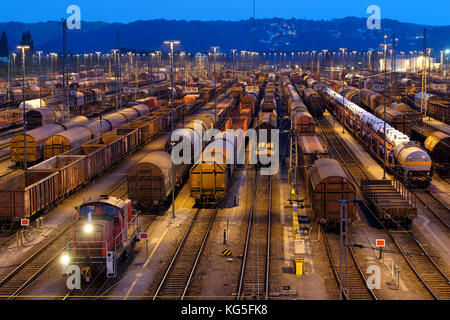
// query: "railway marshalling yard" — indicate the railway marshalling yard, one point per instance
point(261, 239)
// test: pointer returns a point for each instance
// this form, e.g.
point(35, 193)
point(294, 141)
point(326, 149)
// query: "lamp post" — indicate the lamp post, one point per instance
point(23, 48)
point(172, 43)
point(343, 85)
point(14, 66)
point(234, 51)
point(116, 72)
point(446, 57)
point(9, 77)
point(215, 86)
point(39, 78)
point(384, 120)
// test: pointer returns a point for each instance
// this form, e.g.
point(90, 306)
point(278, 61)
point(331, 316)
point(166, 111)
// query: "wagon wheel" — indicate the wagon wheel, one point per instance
point(4, 228)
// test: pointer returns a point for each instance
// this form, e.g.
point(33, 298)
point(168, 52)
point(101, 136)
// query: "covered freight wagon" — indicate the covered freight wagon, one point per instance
point(150, 180)
point(35, 140)
point(211, 175)
point(327, 184)
point(66, 140)
point(438, 144)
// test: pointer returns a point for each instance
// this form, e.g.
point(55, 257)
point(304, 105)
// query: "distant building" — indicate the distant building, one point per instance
point(408, 64)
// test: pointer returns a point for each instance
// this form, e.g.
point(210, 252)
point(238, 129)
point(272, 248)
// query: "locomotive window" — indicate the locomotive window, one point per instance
point(87, 209)
point(108, 209)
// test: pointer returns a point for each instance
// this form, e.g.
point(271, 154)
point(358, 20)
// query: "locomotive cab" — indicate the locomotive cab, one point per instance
point(104, 229)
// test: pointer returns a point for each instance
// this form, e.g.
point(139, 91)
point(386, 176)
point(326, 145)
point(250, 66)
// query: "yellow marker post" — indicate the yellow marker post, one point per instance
point(299, 266)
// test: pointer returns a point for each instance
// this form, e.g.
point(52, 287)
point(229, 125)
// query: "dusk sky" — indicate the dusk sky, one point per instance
point(431, 12)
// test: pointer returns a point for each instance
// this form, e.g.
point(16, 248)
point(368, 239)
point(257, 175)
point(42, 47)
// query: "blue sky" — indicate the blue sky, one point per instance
point(431, 12)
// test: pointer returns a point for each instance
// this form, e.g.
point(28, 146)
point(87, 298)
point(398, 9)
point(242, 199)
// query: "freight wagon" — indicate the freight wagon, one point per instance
point(402, 156)
point(211, 175)
point(328, 183)
point(41, 187)
point(438, 145)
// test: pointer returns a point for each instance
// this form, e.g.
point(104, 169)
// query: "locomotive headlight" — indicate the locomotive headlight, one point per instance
point(65, 259)
point(88, 228)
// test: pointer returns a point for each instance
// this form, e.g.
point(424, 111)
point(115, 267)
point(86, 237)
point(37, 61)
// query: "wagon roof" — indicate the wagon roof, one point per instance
point(325, 168)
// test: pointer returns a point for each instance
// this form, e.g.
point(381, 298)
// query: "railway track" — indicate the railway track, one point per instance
point(178, 275)
point(92, 291)
point(100, 285)
point(434, 205)
point(13, 284)
point(254, 275)
point(29, 270)
point(342, 153)
point(355, 281)
point(431, 276)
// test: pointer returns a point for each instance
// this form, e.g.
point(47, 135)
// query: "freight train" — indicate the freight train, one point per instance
point(327, 183)
point(210, 177)
point(267, 120)
point(149, 182)
point(53, 139)
point(403, 156)
point(303, 120)
point(42, 187)
point(437, 107)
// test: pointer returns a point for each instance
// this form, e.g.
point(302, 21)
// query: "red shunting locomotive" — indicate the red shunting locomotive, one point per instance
point(105, 229)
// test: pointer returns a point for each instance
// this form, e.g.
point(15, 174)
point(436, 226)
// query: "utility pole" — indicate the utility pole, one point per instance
point(9, 76)
point(116, 72)
point(253, 36)
point(39, 78)
point(23, 48)
point(66, 108)
point(172, 43)
point(215, 87)
point(343, 250)
point(120, 70)
point(233, 51)
point(423, 100)
point(384, 120)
